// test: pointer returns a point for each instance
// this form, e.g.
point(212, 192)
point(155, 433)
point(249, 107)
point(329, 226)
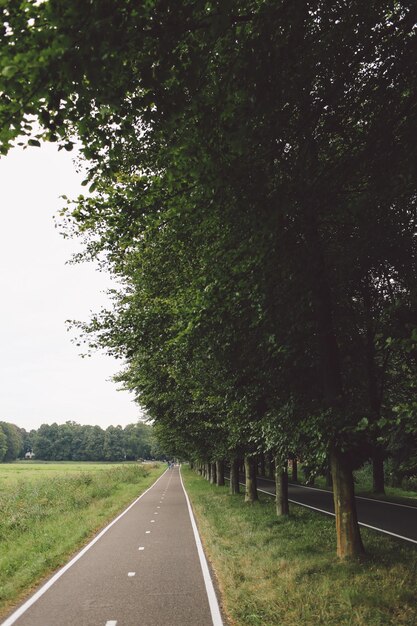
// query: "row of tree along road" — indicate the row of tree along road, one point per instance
point(76, 442)
point(252, 185)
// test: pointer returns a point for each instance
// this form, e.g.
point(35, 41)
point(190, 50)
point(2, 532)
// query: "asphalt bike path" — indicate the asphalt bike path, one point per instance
point(146, 568)
point(398, 520)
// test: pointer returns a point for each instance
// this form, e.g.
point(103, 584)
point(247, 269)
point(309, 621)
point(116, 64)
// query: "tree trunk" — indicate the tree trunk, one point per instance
point(378, 472)
point(375, 391)
point(281, 487)
point(329, 481)
point(294, 470)
point(213, 473)
point(349, 542)
point(261, 464)
point(234, 476)
point(310, 479)
point(397, 478)
point(268, 468)
point(272, 469)
point(220, 473)
point(208, 472)
point(251, 493)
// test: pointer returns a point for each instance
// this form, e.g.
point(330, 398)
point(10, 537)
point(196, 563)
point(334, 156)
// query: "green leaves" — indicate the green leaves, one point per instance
point(9, 71)
point(253, 189)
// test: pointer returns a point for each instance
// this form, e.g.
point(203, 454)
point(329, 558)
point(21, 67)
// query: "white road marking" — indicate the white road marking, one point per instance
point(141, 548)
point(111, 622)
point(147, 532)
point(405, 506)
point(131, 574)
point(21, 610)
point(307, 506)
point(152, 521)
point(211, 594)
point(158, 507)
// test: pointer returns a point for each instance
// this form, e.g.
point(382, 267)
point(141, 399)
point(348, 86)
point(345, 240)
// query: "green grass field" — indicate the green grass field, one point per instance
point(12, 473)
point(284, 572)
point(49, 510)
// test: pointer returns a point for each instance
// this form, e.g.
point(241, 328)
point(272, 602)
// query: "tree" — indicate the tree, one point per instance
point(94, 443)
point(114, 447)
point(13, 441)
point(3, 445)
point(44, 444)
point(267, 138)
point(138, 441)
point(28, 439)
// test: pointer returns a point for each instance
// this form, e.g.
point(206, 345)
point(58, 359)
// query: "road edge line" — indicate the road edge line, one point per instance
point(313, 508)
point(405, 506)
point(211, 594)
point(38, 594)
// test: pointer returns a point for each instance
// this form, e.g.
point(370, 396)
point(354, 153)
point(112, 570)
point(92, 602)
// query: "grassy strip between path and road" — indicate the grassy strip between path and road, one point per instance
point(52, 511)
point(283, 572)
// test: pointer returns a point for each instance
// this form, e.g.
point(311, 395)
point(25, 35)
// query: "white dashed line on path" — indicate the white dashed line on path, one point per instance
point(38, 594)
point(148, 532)
point(152, 521)
point(141, 548)
point(130, 574)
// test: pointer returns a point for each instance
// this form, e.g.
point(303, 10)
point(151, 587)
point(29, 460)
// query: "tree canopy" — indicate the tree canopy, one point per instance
point(76, 442)
point(252, 178)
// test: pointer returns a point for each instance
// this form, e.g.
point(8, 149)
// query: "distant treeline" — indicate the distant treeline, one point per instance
point(75, 442)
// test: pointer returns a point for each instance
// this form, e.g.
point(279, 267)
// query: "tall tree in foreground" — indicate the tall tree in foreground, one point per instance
point(280, 119)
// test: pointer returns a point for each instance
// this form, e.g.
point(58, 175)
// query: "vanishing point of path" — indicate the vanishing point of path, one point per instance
point(146, 568)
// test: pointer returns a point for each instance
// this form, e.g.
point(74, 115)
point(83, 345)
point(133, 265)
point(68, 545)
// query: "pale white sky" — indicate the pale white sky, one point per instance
point(42, 377)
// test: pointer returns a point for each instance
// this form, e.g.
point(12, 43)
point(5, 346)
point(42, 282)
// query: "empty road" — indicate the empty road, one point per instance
point(145, 569)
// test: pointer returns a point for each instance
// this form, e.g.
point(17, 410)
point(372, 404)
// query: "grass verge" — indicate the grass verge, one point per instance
point(46, 519)
point(284, 572)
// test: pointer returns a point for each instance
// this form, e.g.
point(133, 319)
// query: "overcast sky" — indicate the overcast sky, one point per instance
point(42, 377)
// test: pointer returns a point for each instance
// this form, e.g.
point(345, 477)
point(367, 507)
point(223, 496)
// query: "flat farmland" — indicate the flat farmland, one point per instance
point(50, 510)
point(13, 473)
